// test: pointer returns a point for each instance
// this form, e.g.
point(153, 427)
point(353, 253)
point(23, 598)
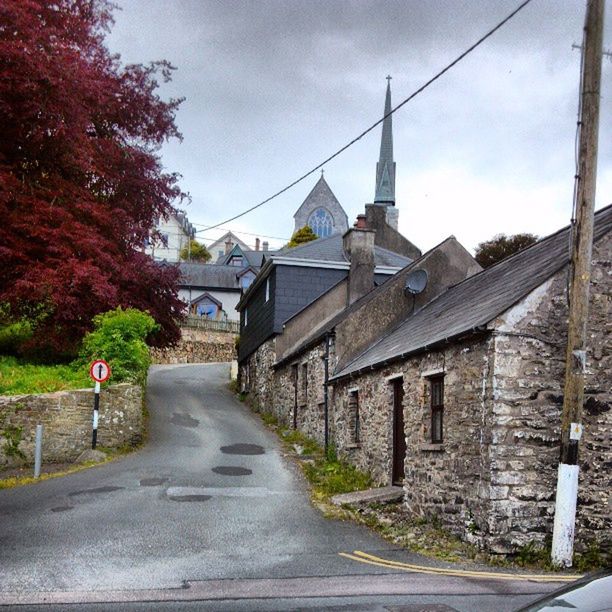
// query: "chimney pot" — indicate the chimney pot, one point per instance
point(257, 244)
point(361, 222)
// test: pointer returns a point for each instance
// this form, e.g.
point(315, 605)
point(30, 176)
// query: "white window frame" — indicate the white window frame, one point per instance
point(267, 289)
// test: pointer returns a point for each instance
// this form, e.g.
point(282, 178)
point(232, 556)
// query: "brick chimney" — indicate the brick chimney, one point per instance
point(228, 245)
point(257, 244)
point(265, 245)
point(358, 244)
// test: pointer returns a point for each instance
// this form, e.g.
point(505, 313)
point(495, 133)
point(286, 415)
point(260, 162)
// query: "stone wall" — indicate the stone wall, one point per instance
point(198, 346)
point(529, 370)
point(67, 420)
point(257, 377)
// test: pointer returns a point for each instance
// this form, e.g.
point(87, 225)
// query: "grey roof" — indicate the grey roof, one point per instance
point(331, 249)
point(209, 275)
point(477, 300)
point(252, 257)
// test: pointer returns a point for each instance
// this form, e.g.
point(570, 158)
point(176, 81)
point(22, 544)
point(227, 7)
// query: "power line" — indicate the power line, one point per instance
point(225, 229)
point(368, 130)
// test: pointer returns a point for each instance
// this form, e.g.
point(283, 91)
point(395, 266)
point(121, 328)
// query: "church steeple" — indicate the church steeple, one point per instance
point(385, 168)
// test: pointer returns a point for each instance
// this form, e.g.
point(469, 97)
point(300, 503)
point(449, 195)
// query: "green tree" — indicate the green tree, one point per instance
point(195, 252)
point(502, 246)
point(119, 336)
point(301, 236)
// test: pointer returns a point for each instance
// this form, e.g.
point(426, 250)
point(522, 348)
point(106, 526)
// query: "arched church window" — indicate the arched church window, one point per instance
point(321, 223)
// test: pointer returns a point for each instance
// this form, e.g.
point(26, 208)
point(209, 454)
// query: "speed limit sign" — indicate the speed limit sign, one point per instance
point(100, 370)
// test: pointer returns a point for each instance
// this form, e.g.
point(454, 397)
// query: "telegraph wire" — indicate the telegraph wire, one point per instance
point(368, 130)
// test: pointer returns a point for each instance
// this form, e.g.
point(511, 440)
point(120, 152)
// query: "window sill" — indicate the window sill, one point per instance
point(434, 448)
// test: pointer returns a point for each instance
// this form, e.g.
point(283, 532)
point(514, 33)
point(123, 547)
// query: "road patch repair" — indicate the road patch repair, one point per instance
point(232, 470)
point(362, 557)
point(243, 449)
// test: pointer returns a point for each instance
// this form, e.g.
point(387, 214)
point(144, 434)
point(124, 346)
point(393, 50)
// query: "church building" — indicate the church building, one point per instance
point(322, 212)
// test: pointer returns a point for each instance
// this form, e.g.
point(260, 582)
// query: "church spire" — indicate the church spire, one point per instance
point(385, 168)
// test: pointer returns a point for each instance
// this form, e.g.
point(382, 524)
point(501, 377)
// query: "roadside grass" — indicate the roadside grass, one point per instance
point(19, 377)
point(112, 454)
point(327, 474)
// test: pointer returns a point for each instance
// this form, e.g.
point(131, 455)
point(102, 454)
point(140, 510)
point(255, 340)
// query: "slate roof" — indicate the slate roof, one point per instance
point(252, 257)
point(331, 249)
point(208, 275)
point(477, 300)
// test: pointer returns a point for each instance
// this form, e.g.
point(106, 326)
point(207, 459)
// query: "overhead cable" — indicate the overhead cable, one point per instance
point(368, 130)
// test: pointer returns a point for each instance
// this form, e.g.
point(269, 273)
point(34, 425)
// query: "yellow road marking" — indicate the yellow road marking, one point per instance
point(423, 569)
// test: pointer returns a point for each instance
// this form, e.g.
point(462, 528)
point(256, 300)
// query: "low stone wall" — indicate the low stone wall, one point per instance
point(67, 420)
point(198, 346)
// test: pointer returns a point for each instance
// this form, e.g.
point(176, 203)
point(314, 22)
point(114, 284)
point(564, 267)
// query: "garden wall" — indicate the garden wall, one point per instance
point(67, 420)
point(198, 346)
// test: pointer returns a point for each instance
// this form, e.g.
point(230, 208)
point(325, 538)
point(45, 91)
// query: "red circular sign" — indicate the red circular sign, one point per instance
point(100, 370)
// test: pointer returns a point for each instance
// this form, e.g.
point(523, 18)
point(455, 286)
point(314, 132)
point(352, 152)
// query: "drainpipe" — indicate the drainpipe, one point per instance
point(325, 393)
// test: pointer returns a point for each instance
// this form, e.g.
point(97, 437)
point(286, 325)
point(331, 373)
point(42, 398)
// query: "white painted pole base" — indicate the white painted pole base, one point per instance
point(565, 515)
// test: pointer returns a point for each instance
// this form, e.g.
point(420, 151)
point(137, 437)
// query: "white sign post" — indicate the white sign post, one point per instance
point(99, 371)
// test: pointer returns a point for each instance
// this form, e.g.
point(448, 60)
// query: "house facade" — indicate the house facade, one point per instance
point(455, 391)
point(172, 235)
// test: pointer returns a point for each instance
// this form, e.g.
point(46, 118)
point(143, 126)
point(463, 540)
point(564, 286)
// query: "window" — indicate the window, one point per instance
point(164, 239)
point(354, 422)
point(437, 408)
point(267, 289)
point(246, 280)
point(304, 383)
point(236, 261)
point(321, 223)
point(246, 316)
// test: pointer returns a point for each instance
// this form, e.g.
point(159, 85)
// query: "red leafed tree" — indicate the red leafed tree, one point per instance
point(81, 183)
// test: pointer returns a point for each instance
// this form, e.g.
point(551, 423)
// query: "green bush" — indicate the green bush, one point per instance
point(13, 336)
point(119, 338)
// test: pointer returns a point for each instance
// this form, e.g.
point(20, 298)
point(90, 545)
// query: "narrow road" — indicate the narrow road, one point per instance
point(208, 510)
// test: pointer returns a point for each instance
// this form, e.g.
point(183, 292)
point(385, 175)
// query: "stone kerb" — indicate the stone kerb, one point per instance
point(67, 420)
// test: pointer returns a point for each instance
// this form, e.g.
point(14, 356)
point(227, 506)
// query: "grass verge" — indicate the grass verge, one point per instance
point(20, 377)
point(63, 469)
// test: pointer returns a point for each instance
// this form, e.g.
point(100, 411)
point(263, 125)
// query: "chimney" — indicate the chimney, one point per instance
point(257, 244)
point(358, 244)
point(361, 222)
point(228, 245)
point(265, 245)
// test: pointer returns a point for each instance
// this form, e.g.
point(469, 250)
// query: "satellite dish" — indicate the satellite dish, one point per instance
point(416, 281)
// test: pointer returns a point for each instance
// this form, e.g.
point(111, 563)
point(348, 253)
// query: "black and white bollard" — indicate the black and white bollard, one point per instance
point(94, 436)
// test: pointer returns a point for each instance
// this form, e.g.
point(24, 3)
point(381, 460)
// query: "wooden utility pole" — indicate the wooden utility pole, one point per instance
point(580, 276)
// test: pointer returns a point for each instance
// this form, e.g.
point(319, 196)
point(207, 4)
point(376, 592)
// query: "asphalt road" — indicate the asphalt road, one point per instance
point(209, 511)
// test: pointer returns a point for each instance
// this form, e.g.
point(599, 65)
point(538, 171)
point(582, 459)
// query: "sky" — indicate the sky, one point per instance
point(272, 88)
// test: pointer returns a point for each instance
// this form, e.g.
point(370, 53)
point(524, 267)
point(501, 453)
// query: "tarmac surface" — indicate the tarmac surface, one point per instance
point(208, 511)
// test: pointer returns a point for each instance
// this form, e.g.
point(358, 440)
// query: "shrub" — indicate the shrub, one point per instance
point(13, 336)
point(119, 338)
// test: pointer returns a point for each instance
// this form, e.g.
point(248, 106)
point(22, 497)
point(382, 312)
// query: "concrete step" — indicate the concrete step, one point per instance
point(369, 496)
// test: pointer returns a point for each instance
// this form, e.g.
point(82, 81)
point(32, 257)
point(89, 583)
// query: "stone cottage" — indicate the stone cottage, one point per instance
point(449, 380)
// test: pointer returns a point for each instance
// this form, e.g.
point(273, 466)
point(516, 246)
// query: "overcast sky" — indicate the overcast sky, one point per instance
point(274, 87)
